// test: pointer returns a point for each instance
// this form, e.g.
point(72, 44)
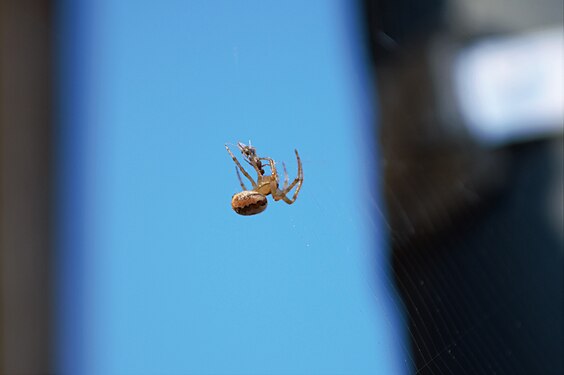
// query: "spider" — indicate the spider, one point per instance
point(252, 202)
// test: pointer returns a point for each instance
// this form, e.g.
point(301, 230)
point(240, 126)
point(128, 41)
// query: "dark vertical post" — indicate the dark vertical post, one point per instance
point(25, 179)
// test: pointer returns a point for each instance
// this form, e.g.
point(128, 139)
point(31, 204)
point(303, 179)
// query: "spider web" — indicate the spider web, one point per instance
point(485, 296)
point(477, 256)
point(482, 294)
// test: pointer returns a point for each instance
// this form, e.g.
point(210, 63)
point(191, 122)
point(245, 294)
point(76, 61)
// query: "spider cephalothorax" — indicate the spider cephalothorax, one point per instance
point(252, 202)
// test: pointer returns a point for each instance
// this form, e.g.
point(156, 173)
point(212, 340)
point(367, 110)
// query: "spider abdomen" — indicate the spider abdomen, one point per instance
point(248, 202)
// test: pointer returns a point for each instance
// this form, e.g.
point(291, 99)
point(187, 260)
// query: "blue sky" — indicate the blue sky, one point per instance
point(157, 273)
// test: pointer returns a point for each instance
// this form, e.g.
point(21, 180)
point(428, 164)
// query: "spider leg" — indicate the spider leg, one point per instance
point(285, 177)
point(241, 168)
point(240, 180)
point(274, 178)
point(281, 194)
point(257, 169)
point(265, 165)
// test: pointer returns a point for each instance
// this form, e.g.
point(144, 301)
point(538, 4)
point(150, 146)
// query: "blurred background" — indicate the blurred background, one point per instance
point(428, 236)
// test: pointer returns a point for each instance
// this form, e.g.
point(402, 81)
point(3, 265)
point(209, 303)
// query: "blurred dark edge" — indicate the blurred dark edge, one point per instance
point(25, 181)
point(477, 259)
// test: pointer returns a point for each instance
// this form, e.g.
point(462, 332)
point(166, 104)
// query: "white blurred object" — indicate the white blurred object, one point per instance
point(510, 88)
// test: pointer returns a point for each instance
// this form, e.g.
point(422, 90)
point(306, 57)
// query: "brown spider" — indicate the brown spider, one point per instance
point(252, 202)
